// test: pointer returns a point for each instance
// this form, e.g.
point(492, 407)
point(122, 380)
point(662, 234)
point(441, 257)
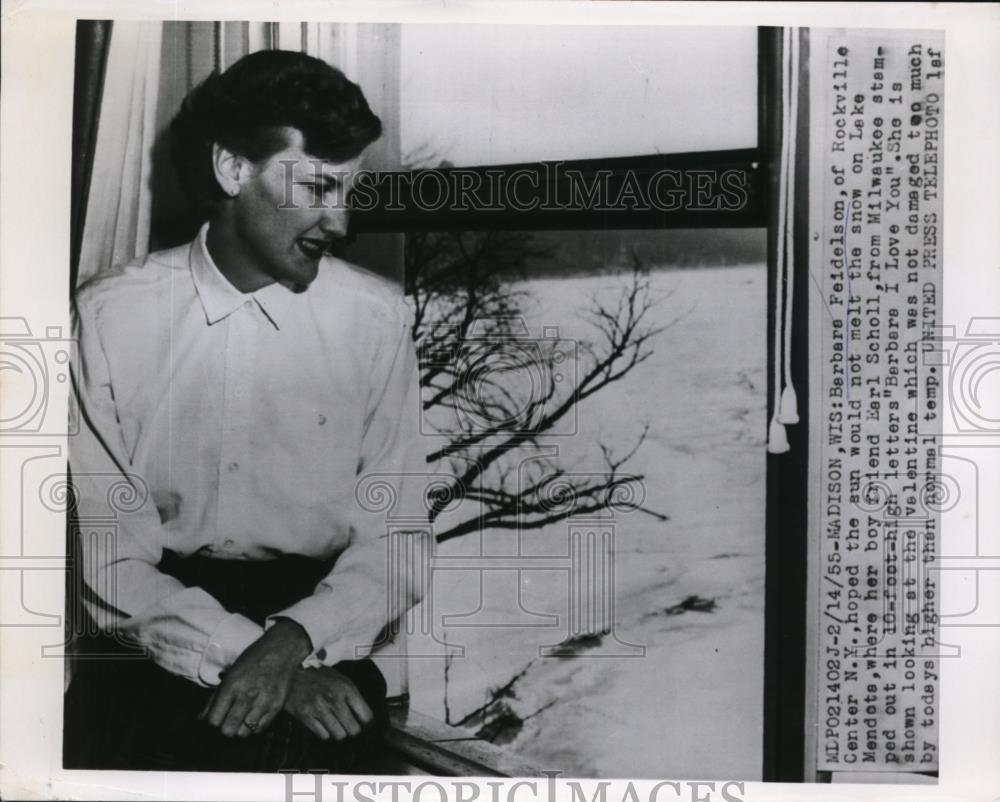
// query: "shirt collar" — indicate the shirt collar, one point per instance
point(220, 299)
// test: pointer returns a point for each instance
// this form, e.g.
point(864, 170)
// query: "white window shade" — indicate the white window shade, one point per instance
point(477, 94)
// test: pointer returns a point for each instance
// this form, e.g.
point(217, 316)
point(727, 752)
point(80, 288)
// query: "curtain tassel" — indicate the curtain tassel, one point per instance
point(789, 412)
point(777, 440)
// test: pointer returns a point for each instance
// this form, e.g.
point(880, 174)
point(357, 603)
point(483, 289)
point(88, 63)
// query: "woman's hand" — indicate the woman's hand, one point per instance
point(255, 687)
point(328, 703)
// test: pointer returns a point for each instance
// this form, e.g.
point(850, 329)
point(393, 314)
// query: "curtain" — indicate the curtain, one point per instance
point(368, 54)
point(119, 201)
point(92, 41)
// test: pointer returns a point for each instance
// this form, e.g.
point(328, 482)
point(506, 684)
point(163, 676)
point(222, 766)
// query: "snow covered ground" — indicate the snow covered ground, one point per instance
point(688, 590)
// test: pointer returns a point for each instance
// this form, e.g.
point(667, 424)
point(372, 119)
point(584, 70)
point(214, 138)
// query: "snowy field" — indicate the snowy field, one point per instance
point(689, 590)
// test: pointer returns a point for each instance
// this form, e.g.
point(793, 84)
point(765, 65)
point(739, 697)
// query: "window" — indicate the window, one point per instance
point(533, 565)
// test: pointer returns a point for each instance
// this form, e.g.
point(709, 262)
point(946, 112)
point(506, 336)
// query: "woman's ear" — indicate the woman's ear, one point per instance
point(230, 170)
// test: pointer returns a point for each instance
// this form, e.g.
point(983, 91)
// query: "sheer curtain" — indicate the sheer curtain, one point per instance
point(119, 203)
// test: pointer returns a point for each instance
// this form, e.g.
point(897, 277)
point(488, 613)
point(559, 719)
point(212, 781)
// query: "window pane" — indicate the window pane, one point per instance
point(688, 567)
point(506, 94)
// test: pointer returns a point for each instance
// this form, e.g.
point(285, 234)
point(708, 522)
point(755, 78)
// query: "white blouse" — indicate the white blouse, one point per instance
point(239, 425)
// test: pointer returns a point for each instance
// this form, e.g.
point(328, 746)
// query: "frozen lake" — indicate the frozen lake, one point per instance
point(688, 590)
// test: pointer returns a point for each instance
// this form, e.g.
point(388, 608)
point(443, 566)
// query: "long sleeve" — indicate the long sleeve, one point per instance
point(375, 580)
point(185, 630)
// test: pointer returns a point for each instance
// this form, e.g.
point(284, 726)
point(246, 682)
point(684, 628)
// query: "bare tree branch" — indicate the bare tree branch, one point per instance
point(491, 391)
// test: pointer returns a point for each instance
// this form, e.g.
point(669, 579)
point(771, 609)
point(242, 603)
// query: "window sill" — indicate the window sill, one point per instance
point(426, 745)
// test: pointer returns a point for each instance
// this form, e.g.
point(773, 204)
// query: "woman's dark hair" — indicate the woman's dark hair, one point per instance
point(246, 108)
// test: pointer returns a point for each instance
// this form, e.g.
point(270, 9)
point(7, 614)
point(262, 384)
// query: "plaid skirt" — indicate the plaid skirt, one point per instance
point(124, 712)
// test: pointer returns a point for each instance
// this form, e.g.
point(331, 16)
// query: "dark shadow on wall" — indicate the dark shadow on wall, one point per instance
point(174, 219)
point(187, 58)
